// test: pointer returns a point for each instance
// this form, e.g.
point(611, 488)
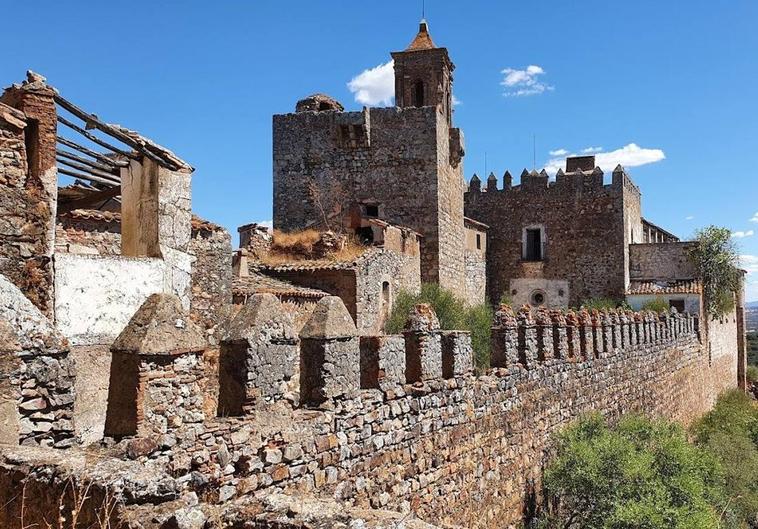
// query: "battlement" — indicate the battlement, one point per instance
point(577, 179)
point(528, 337)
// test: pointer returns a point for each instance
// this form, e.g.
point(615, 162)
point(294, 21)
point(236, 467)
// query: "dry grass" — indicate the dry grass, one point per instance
point(287, 247)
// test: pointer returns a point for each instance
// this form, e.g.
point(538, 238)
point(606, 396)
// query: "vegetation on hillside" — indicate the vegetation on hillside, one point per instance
point(717, 259)
point(638, 474)
point(452, 313)
point(651, 474)
point(752, 348)
point(730, 434)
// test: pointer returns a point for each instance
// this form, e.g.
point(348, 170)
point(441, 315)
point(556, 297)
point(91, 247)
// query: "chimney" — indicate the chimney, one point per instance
point(255, 238)
point(580, 163)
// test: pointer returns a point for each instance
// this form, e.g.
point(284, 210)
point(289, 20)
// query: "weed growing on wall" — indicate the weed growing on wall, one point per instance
point(452, 313)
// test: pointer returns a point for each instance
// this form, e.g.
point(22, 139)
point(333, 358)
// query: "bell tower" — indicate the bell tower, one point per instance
point(424, 75)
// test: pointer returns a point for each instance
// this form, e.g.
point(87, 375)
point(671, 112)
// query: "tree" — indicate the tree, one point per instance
point(716, 257)
point(641, 474)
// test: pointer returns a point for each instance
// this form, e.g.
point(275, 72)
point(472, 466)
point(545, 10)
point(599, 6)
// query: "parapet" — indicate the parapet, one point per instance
point(318, 103)
point(581, 173)
point(529, 337)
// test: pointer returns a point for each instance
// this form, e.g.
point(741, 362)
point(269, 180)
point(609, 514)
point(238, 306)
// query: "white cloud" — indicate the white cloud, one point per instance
point(590, 150)
point(266, 224)
point(559, 152)
point(689, 217)
point(750, 263)
point(456, 101)
point(742, 234)
point(525, 82)
point(755, 217)
point(631, 155)
point(375, 86)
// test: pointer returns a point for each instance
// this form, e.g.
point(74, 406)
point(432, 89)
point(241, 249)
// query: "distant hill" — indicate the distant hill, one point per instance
point(751, 305)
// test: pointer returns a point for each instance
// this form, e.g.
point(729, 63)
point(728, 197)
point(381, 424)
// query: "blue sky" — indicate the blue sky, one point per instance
point(677, 80)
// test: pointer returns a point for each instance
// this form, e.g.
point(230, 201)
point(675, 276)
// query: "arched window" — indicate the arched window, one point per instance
point(418, 94)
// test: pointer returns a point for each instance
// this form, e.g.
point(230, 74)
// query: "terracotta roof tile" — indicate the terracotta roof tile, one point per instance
point(262, 284)
point(423, 40)
point(198, 224)
point(681, 286)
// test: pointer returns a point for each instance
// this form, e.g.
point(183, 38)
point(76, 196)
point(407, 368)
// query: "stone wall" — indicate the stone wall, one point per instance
point(211, 247)
point(665, 261)
point(36, 375)
point(379, 280)
point(96, 295)
point(87, 236)
point(401, 163)
point(28, 188)
point(585, 224)
point(454, 448)
point(476, 277)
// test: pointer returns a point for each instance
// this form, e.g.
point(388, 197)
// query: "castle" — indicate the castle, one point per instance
point(150, 377)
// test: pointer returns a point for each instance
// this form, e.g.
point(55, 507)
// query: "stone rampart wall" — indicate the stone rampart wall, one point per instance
point(453, 448)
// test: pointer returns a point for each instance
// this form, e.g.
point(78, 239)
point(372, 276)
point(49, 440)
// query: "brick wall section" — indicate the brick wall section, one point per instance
point(404, 165)
point(74, 235)
point(587, 225)
point(666, 261)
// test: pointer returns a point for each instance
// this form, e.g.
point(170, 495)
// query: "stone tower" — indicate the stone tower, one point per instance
point(402, 164)
point(424, 75)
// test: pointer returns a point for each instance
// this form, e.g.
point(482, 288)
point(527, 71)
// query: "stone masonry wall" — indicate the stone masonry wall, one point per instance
point(211, 276)
point(398, 164)
point(399, 271)
point(28, 187)
point(666, 261)
point(36, 375)
point(585, 224)
point(467, 450)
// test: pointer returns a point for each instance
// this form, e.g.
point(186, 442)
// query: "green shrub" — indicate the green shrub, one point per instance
point(599, 303)
point(717, 259)
point(656, 305)
point(730, 433)
point(639, 474)
point(479, 322)
point(453, 315)
point(752, 374)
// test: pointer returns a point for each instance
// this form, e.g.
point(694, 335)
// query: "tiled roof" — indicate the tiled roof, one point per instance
point(422, 41)
point(311, 265)
point(680, 286)
point(97, 215)
point(93, 214)
point(261, 283)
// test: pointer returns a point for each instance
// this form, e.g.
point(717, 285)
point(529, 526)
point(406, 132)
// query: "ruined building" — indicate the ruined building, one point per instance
point(150, 378)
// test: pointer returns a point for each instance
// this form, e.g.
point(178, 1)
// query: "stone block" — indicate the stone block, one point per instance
point(329, 353)
point(457, 354)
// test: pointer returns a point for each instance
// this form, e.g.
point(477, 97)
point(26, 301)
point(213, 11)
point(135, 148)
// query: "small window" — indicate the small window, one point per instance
point(478, 241)
point(365, 234)
point(31, 142)
point(372, 210)
point(537, 298)
point(418, 94)
point(533, 245)
point(678, 304)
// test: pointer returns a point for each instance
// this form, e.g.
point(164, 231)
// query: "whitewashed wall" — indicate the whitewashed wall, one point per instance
point(95, 296)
